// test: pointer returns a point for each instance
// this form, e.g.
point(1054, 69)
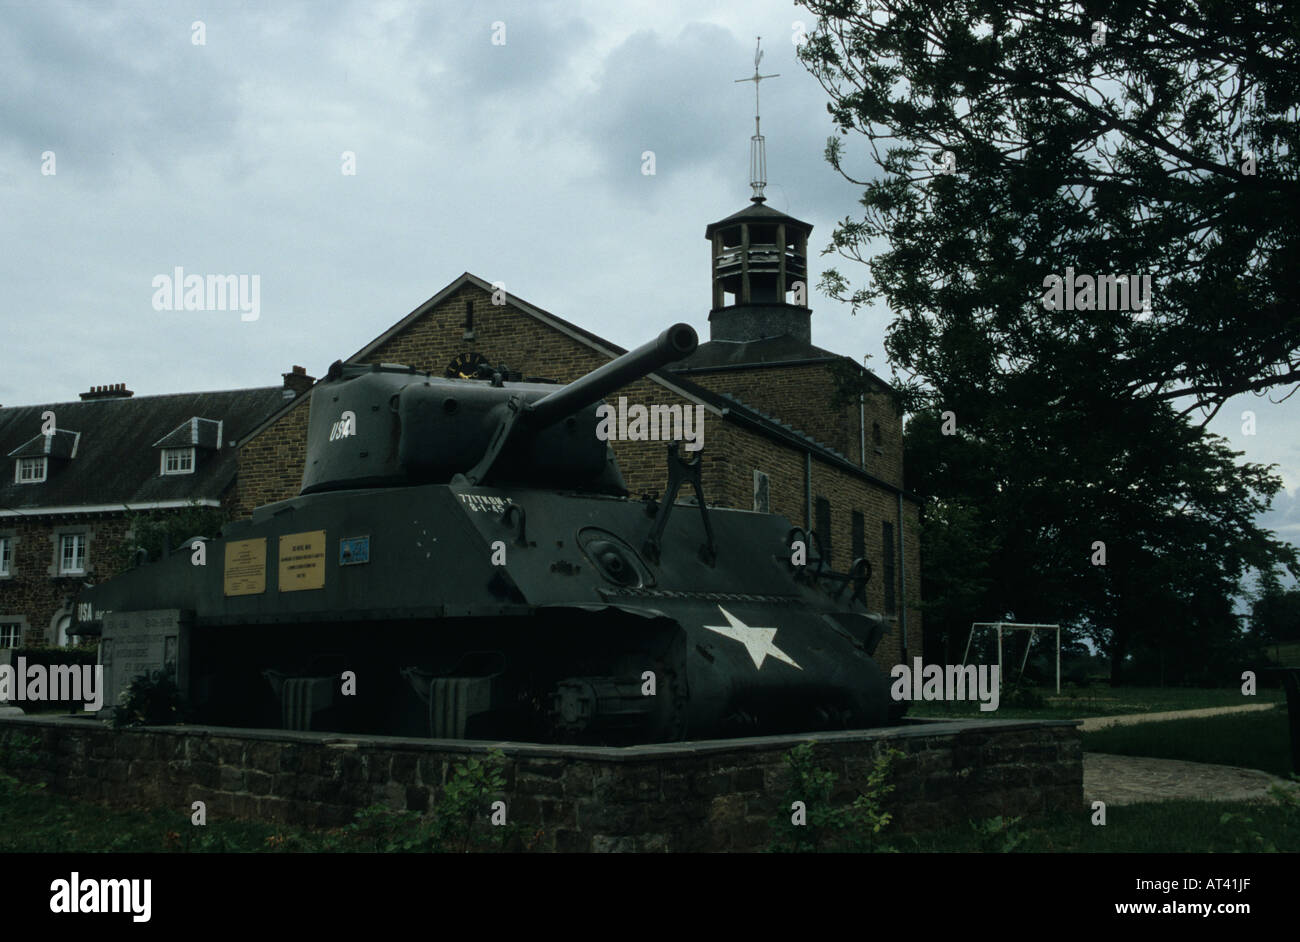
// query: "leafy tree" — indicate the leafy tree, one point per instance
point(1136, 138)
point(1275, 613)
point(158, 533)
point(1137, 532)
point(1025, 142)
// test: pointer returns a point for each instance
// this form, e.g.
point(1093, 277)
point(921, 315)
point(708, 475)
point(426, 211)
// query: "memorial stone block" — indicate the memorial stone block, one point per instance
point(135, 644)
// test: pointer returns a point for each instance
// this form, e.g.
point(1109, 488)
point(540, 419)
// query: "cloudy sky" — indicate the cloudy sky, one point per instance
point(519, 161)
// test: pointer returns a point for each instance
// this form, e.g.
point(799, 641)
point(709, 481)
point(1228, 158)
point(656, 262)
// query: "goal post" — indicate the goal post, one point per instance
point(1002, 626)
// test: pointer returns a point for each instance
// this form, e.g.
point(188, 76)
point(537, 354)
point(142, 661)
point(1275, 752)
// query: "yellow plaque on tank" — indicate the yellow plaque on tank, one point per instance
point(245, 572)
point(302, 561)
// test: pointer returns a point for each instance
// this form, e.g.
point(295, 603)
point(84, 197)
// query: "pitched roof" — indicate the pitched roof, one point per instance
point(718, 356)
point(716, 403)
point(585, 337)
point(756, 212)
point(116, 460)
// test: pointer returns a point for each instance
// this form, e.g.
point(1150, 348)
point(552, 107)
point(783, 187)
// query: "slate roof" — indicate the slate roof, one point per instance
point(718, 356)
point(756, 212)
point(117, 459)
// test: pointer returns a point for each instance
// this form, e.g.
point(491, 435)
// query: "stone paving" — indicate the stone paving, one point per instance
point(1126, 780)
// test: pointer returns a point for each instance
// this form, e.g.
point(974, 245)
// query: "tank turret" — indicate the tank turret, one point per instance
point(382, 425)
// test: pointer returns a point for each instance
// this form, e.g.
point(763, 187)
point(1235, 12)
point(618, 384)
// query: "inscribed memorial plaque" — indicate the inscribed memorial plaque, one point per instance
point(246, 567)
point(138, 644)
point(302, 561)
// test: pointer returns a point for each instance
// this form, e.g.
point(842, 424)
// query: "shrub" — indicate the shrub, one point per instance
point(150, 700)
point(459, 823)
point(853, 827)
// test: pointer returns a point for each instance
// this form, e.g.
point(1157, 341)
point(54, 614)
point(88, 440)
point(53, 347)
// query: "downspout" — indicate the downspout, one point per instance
point(902, 578)
point(807, 489)
point(862, 429)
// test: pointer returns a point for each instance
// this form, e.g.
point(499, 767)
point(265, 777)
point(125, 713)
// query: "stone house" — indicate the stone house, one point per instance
point(78, 472)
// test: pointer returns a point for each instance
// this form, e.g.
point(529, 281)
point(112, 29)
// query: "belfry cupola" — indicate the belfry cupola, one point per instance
point(760, 276)
point(760, 260)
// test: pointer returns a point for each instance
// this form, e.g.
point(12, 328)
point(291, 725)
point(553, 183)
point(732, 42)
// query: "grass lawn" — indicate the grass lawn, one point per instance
point(1249, 740)
point(1154, 828)
point(1101, 701)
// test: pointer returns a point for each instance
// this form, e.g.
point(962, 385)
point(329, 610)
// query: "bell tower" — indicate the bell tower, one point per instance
point(760, 259)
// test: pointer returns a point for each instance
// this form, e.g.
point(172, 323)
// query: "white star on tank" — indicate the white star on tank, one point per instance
point(757, 641)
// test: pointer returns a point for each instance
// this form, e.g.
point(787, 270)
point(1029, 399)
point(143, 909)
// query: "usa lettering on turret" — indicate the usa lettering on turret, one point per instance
point(344, 427)
point(481, 503)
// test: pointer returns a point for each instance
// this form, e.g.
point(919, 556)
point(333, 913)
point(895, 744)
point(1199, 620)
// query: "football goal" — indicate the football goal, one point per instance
point(1001, 626)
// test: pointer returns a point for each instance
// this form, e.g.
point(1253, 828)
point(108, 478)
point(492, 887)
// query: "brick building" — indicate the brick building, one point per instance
point(79, 472)
point(772, 440)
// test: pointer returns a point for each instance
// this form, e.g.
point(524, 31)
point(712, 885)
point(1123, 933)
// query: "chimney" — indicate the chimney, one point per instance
point(116, 391)
point(297, 382)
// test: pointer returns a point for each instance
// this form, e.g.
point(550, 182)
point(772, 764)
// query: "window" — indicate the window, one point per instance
point(887, 565)
point(29, 470)
point(6, 555)
point(859, 535)
point(823, 527)
point(876, 438)
point(762, 493)
point(11, 634)
point(72, 554)
point(178, 460)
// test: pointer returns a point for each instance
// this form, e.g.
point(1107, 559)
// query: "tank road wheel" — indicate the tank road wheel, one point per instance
point(633, 699)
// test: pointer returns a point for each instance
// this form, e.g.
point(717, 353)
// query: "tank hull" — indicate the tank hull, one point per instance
point(507, 612)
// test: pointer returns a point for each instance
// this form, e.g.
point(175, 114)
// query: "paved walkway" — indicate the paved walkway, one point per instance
point(1126, 780)
point(1128, 719)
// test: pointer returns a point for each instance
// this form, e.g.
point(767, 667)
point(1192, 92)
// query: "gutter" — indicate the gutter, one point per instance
point(110, 508)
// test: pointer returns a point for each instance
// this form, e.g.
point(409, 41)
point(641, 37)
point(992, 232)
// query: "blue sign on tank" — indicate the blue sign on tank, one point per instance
point(354, 550)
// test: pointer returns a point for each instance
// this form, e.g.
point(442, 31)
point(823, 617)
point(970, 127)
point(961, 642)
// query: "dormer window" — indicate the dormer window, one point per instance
point(178, 460)
point(179, 449)
point(30, 470)
point(32, 458)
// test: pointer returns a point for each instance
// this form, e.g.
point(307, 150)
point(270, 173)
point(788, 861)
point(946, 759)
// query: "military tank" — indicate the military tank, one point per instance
point(464, 561)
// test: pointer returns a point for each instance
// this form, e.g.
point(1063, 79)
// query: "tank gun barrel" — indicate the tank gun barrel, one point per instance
point(675, 343)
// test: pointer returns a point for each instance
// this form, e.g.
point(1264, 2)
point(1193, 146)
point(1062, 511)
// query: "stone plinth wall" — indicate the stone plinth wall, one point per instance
point(705, 796)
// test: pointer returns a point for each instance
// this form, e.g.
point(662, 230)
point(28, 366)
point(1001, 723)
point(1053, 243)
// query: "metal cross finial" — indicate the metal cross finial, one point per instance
point(756, 78)
point(757, 148)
